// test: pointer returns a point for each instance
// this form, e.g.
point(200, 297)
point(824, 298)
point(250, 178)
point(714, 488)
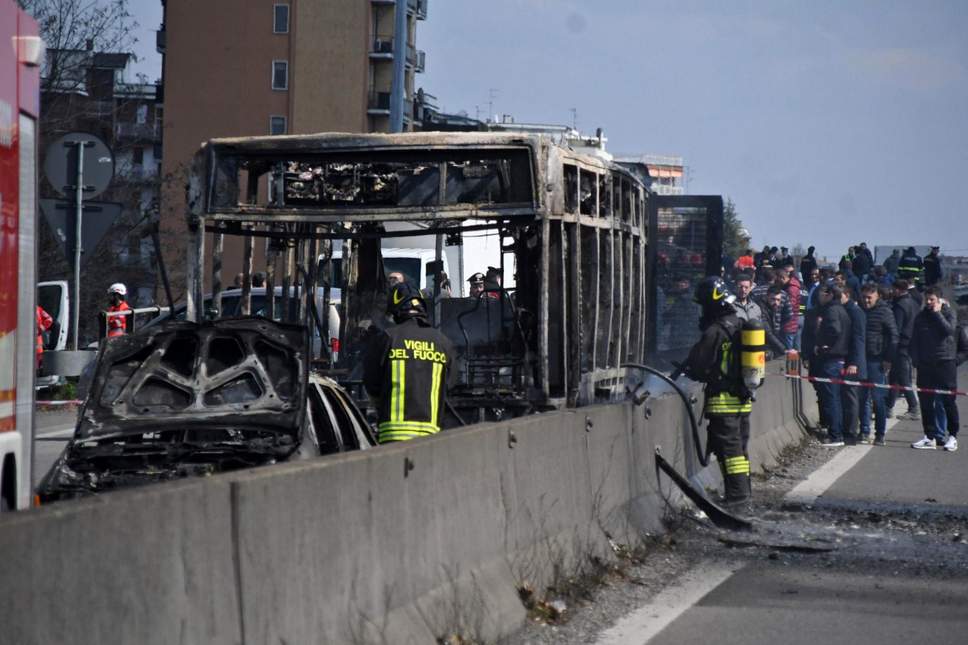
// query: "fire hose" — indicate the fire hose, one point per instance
point(700, 453)
point(718, 516)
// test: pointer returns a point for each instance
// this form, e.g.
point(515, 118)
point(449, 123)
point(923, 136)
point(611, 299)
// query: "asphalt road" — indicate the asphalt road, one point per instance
point(864, 544)
point(52, 429)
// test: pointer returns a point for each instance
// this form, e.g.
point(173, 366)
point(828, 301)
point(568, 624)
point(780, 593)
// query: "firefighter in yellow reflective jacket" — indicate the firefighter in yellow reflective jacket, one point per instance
point(714, 360)
point(407, 370)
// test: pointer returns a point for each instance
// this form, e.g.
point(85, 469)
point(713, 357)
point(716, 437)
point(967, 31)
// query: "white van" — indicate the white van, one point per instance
point(52, 297)
point(416, 264)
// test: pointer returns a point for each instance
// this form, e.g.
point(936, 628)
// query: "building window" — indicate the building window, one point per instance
point(280, 75)
point(137, 156)
point(280, 19)
point(142, 115)
point(277, 125)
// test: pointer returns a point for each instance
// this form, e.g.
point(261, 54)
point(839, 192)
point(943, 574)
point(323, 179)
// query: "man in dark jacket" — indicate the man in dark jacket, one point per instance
point(881, 344)
point(855, 366)
point(932, 267)
point(831, 346)
point(863, 261)
point(846, 280)
point(807, 264)
point(934, 353)
point(905, 309)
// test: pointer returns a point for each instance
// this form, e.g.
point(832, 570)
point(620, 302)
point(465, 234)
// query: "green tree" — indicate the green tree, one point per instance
point(736, 239)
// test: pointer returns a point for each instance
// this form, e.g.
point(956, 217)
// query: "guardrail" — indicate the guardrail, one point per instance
point(130, 314)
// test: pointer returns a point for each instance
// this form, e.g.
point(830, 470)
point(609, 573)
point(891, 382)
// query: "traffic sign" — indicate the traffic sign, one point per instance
point(99, 217)
point(60, 165)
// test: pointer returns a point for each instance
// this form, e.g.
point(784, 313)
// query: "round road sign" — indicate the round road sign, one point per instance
point(60, 166)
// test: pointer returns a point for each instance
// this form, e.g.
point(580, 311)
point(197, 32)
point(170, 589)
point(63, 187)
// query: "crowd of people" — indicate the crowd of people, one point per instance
point(861, 322)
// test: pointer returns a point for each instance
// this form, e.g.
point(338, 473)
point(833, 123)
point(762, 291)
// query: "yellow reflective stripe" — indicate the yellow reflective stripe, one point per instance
point(390, 431)
point(729, 409)
point(422, 426)
point(727, 353)
point(398, 374)
point(435, 393)
point(394, 390)
point(726, 403)
point(737, 465)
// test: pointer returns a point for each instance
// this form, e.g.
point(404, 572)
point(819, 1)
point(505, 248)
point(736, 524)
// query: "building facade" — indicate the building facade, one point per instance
point(257, 67)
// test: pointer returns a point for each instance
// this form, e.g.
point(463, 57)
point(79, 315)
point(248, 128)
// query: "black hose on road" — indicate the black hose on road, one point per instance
point(700, 453)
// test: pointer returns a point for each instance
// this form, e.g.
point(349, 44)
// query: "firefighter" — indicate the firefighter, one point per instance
point(117, 325)
point(911, 267)
point(407, 370)
point(44, 323)
point(714, 360)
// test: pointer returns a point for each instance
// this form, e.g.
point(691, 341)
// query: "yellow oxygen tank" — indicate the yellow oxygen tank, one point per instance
point(753, 353)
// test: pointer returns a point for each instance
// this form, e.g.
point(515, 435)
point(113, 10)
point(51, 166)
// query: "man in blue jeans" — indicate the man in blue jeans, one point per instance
point(881, 345)
point(830, 350)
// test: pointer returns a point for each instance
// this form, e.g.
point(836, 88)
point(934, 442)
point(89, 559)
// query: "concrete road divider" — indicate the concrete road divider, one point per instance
point(154, 565)
point(406, 543)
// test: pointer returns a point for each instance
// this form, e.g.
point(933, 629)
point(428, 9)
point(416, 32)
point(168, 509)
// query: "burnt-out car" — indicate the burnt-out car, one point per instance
point(185, 399)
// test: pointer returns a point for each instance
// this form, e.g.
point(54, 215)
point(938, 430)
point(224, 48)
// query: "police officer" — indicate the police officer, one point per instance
point(407, 370)
point(476, 283)
point(714, 361)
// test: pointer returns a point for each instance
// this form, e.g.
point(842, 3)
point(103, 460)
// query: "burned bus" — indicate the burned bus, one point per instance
point(567, 303)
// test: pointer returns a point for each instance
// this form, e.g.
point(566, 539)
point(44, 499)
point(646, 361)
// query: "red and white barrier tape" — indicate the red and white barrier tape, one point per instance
point(868, 384)
point(70, 402)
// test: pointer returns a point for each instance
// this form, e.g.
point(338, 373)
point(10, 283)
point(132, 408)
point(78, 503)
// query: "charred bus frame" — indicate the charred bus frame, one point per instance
point(575, 222)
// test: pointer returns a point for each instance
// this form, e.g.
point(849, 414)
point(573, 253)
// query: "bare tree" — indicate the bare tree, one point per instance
point(89, 43)
point(80, 26)
point(74, 31)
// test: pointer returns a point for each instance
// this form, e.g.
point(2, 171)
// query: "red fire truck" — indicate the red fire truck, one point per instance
point(21, 51)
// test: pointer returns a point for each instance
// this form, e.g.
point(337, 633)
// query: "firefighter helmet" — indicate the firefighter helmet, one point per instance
point(405, 302)
point(118, 288)
point(713, 294)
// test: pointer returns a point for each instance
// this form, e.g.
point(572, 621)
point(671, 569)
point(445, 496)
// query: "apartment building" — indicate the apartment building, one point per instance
point(256, 67)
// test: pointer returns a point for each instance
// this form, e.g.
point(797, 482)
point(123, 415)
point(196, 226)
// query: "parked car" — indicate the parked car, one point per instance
point(181, 399)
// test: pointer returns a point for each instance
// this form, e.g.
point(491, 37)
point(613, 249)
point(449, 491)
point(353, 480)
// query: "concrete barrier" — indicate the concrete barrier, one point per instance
point(401, 544)
point(154, 565)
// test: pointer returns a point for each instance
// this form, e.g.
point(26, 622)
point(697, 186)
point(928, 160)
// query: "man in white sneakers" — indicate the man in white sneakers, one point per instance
point(934, 352)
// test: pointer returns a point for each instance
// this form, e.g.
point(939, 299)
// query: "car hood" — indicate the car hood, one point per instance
point(243, 373)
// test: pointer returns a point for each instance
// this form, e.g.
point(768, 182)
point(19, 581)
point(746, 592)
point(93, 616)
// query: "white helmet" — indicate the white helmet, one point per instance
point(118, 288)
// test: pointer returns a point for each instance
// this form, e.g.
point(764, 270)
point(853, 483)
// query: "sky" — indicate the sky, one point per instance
point(826, 122)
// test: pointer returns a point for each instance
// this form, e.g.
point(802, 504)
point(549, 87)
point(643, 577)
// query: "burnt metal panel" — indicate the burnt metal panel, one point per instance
point(685, 245)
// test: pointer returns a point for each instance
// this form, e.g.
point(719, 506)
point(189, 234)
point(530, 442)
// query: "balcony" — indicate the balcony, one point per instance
point(382, 47)
point(138, 173)
point(137, 131)
point(379, 103)
point(421, 62)
point(418, 7)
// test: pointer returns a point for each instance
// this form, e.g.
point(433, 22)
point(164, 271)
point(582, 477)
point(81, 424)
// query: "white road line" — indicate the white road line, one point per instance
point(807, 491)
point(58, 431)
point(644, 623)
